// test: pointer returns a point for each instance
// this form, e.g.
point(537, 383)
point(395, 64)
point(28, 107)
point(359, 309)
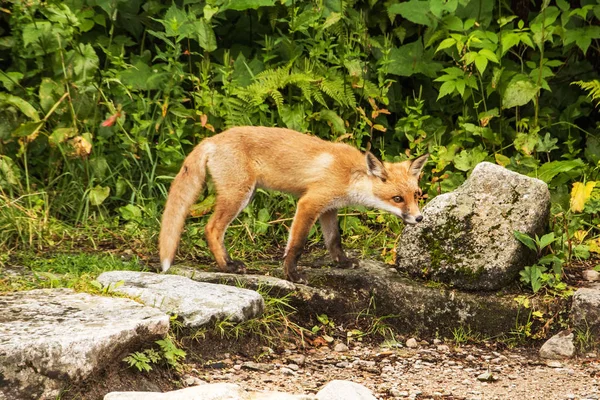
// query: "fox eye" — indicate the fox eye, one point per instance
point(398, 199)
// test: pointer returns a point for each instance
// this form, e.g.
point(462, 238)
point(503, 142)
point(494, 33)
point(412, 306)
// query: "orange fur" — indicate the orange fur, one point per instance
point(324, 175)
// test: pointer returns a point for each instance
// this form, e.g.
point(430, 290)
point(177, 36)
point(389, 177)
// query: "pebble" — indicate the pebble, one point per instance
point(189, 380)
point(293, 367)
point(590, 275)
point(256, 366)
point(298, 359)
point(487, 377)
point(412, 343)
point(287, 371)
point(340, 348)
point(553, 364)
point(398, 393)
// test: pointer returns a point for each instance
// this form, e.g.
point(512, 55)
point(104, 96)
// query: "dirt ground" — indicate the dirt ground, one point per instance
point(430, 371)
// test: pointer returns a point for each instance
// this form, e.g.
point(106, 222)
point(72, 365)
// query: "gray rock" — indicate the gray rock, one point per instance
point(558, 346)
point(412, 343)
point(417, 307)
point(344, 390)
point(466, 238)
point(213, 391)
point(591, 275)
point(52, 337)
point(585, 310)
point(195, 302)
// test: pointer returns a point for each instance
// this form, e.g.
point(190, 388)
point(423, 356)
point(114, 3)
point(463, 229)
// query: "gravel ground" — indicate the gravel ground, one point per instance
point(428, 371)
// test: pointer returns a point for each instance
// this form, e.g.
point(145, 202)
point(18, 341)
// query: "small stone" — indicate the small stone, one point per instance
point(487, 377)
point(559, 346)
point(190, 380)
point(412, 343)
point(591, 275)
point(443, 348)
point(470, 358)
point(298, 359)
point(437, 341)
point(287, 371)
point(553, 364)
point(251, 365)
point(342, 364)
point(340, 348)
point(293, 367)
point(398, 393)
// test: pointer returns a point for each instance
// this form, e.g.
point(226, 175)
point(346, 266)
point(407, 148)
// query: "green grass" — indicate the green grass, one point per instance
point(26, 271)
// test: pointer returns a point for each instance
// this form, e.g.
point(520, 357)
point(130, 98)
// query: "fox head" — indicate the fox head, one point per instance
point(395, 186)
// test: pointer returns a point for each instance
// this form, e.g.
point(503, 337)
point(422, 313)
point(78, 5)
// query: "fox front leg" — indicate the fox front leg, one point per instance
point(306, 215)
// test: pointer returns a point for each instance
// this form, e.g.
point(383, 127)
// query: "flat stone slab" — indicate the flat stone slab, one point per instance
point(51, 337)
point(211, 391)
point(197, 303)
point(466, 238)
point(334, 390)
point(275, 286)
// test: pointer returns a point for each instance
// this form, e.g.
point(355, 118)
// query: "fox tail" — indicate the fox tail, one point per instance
point(185, 189)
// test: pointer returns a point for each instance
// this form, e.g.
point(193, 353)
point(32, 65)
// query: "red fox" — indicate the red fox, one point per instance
point(324, 175)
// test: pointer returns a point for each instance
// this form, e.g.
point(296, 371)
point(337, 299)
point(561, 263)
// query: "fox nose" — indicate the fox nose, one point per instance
point(419, 218)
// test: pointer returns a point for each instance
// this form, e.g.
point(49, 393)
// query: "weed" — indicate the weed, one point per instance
point(463, 335)
point(168, 354)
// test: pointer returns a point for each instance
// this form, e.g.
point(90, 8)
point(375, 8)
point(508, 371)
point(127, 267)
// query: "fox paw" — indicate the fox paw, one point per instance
point(296, 277)
point(347, 263)
point(236, 267)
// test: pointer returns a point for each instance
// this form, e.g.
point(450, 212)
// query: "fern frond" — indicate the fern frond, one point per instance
point(335, 88)
point(592, 87)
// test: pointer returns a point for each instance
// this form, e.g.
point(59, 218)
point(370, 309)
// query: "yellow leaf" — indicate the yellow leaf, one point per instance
point(580, 235)
point(502, 160)
point(594, 245)
point(579, 195)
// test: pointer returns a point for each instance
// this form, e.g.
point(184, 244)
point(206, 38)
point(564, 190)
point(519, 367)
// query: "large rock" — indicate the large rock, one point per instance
point(212, 391)
point(585, 310)
point(344, 390)
point(409, 306)
point(466, 237)
point(51, 337)
point(196, 303)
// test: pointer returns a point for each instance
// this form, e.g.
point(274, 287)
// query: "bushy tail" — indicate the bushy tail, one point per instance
point(185, 189)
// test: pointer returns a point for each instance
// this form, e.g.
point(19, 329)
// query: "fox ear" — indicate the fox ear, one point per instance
point(417, 165)
point(375, 167)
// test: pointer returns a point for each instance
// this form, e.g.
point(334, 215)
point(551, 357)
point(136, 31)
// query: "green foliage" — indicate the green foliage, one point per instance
point(102, 100)
point(593, 87)
point(536, 275)
point(168, 353)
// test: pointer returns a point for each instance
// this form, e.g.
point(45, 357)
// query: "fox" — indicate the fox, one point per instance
point(323, 175)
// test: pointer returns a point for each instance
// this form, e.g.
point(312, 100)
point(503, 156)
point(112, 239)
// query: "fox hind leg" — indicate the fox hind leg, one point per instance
point(230, 202)
point(333, 239)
